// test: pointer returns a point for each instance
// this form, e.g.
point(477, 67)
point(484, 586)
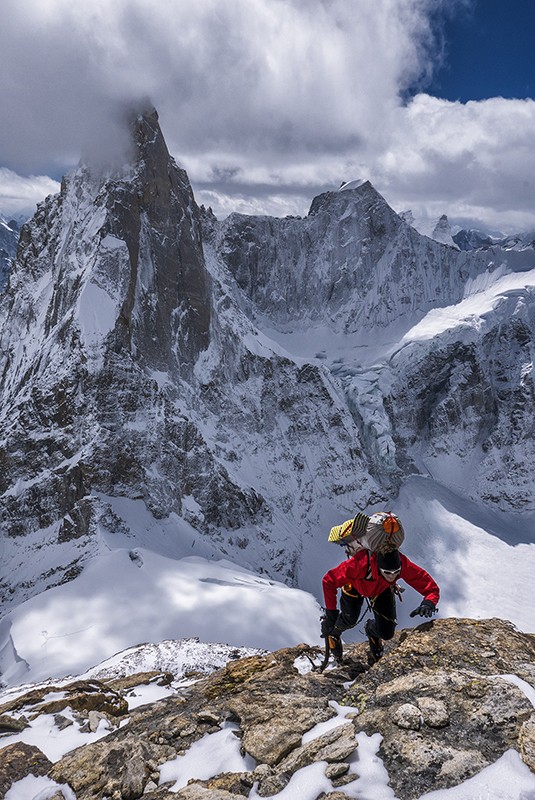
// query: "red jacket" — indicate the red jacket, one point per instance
point(352, 575)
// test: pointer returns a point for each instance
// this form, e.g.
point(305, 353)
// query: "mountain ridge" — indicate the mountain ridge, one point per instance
point(451, 700)
point(107, 362)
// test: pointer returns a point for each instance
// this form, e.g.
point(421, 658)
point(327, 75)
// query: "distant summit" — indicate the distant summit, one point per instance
point(351, 184)
point(469, 239)
point(437, 229)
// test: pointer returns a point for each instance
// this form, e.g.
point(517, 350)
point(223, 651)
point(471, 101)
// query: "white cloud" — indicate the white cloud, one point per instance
point(265, 102)
point(470, 160)
point(19, 195)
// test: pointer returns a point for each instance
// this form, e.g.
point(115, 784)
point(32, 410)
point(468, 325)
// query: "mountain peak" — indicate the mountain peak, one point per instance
point(355, 184)
point(147, 136)
point(360, 193)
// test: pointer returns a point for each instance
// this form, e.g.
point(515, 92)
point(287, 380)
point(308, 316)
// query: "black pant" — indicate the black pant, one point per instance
point(384, 611)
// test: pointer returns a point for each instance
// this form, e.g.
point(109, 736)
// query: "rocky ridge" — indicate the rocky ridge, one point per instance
point(449, 698)
point(458, 392)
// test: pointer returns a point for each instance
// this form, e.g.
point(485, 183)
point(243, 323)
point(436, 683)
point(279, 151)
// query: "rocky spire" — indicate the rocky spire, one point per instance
point(109, 290)
point(165, 314)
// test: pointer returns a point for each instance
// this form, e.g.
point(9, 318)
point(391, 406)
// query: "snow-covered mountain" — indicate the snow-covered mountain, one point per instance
point(470, 239)
point(433, 347)
point(441, 231)
point(183, 386)
point(437, 229)
point(134, 386)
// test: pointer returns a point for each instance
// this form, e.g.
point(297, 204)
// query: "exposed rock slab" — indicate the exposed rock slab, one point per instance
point(82, 696)
point(440, 705)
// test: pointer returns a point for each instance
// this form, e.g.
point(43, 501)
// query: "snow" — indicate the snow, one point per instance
point(434, 228)
point(32, 788)
point(321, 728)
point(110, 242)
point(214, 753)
point(306, 784)
point(71, 627)
point(163, 582)
point(143, 695)
point(507, 779)
point(474, 567)
point(54, 743)
point(472, 308)
point(474, 557)
point(68, 628)
point(97, 314)
point(372, 781)
point(166, 594)
point(180, 657)
point(355, 184)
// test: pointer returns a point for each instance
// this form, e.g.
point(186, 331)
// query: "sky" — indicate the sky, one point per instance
point(267, 103)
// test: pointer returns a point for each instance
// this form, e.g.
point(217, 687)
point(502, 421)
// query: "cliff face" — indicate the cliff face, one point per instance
point(432, 346)
point(352, 263)
point(448, 699)
point(9, 236)
point(462, 398)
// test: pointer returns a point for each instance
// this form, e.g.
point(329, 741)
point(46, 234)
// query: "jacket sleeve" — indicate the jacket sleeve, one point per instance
point(346, 572)
point(420, 580)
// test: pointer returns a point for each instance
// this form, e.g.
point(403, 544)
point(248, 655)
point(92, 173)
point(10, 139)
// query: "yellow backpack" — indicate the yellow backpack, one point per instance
point(381, 533)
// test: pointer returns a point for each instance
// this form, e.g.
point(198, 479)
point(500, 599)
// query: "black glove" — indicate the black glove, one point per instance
point(425, 609)
point(328, 621)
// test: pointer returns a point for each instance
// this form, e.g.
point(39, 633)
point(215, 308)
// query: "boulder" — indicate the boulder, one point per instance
point(442, 708)
point(19, 760)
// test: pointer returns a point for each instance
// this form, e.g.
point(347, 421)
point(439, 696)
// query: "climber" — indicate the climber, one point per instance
point(373, 576)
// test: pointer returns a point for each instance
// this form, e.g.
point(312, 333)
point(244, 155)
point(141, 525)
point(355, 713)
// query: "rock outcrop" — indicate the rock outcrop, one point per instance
point(448, 699)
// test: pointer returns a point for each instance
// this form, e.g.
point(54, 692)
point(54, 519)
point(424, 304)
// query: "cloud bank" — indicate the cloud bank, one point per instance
point(265, 102)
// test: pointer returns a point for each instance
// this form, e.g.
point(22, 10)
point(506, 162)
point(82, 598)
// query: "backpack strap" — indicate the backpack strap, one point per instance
point(369, 575)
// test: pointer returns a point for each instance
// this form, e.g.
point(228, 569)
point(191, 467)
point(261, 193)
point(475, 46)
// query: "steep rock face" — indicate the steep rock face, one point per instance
point(448, 698)
point(108, 310)
point(352, 262)
point(463, 401)
point(128, 370)
point(9, 236)
point(356, 268)
point(165, 314)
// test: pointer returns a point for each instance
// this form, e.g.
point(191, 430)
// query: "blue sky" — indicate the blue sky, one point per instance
point(267, 103)
point(489, 52)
